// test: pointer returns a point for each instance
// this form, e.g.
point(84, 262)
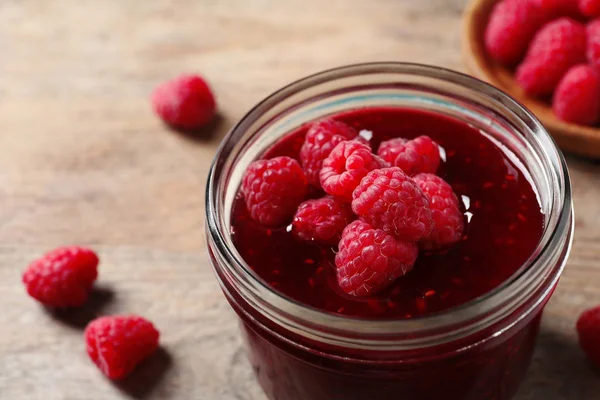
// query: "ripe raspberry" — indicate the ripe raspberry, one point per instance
point(512, 25)
point(273, 189)
point(448, 222)
point(184, 102)
point(588, 329)
point(413, 156)
point(347, 164)
point(117, 344)
point(322, 220)
point(320, 139)
point(593, 42)
point(558, 46)
point(577, 98)
point(590, 8)
point(369, 259)
point(390, 200)
point(557, 8)
point(62, 277)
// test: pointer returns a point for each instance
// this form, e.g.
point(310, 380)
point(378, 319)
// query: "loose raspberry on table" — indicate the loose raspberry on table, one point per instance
point(557, 8)
point(593, 42)
point(273, 189)
point(322, 220)
point(390, 200)
point(590, 8)
point(558, 46)
point(511, 26)
point(184, 102)
point(413, 156)
point(63, 277)
point(577, 98)
point(588, 330)
point(117, 344)
point(320, 140)
point(347, 164)
point(369, 259)
point(448, 221)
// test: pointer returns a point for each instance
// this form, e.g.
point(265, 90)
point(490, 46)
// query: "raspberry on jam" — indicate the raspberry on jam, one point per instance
point(502, 227)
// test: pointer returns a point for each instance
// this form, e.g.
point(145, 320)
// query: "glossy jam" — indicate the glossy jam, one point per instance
point(502, 214)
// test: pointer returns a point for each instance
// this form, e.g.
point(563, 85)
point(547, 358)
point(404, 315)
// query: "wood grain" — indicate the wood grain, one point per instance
point(83, 160)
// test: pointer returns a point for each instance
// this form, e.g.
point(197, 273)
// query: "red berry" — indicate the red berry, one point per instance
point(590, 8)
point(184, 102)
point(347, 164)
point(413, 156)
point(557, 8)
point(577, 98)
point(511, 27)
point(448, 221)
point(593, 42)
point(320, 140)
point(588, 329)
point(273, 189)
point(322, 220)
point(62, 277)
point(557, 47)
point(369, 259)
point(390, 200)
point(117, 344)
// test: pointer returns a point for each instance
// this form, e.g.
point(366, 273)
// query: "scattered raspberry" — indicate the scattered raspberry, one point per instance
point(117, 344)
point(390, 200)
point(590, 8)
point(273, 189)
point(448, 223)
point(413, 156)
point(320, 139)
point(557, 8)
point(184, 102)
point(593, 42)
point(62, 277)
point(369, 259)
point(558, 46)
point(347, 164)
point(577, 98)
point(512, 25)
point(588, 328)
point(322, 220)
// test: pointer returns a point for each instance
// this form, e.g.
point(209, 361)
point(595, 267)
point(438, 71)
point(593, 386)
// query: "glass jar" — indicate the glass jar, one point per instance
point(478, 351)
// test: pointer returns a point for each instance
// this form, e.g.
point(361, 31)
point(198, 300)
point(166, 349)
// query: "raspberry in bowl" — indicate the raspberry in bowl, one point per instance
point(429, 280)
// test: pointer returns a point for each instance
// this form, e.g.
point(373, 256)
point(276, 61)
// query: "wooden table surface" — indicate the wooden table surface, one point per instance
point(83, 160)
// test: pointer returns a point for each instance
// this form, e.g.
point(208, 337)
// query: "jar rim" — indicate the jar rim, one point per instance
point(494, 304)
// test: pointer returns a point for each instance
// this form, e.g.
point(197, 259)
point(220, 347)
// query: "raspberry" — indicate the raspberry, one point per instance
point(512, 25)
point(273, 189)
point(557, 47)
point(556, 8)
point(347, 164)
point(588, 329)
point(369, 259)
point(448, 222)
point(577, 98)
point(390, 200)
point(322, 220)
point(63, 277)
point(590, 8)
point(593, 42)
point(320, 139)
point(117, 344)
point(413, 156)
point(184, 102)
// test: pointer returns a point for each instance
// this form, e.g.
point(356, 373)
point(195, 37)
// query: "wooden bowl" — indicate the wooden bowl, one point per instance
point(572, 138)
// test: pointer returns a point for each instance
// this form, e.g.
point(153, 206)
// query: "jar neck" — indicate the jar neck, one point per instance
point(508, 124)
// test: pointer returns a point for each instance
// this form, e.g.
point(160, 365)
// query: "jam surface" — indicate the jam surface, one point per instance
point(503, 219)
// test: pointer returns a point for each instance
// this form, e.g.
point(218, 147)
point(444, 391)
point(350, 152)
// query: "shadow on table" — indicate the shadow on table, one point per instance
point(214, 129)
point(147, 376)
point(560, 371)
point(79, 317)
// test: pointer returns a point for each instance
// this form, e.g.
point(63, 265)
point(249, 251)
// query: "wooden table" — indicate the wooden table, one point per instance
point(84, 160)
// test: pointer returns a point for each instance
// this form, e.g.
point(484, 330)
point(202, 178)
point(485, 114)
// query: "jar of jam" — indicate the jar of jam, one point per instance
point(462, 325)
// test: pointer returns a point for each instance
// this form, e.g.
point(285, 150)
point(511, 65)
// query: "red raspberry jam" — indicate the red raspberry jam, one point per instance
point(504, 224)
